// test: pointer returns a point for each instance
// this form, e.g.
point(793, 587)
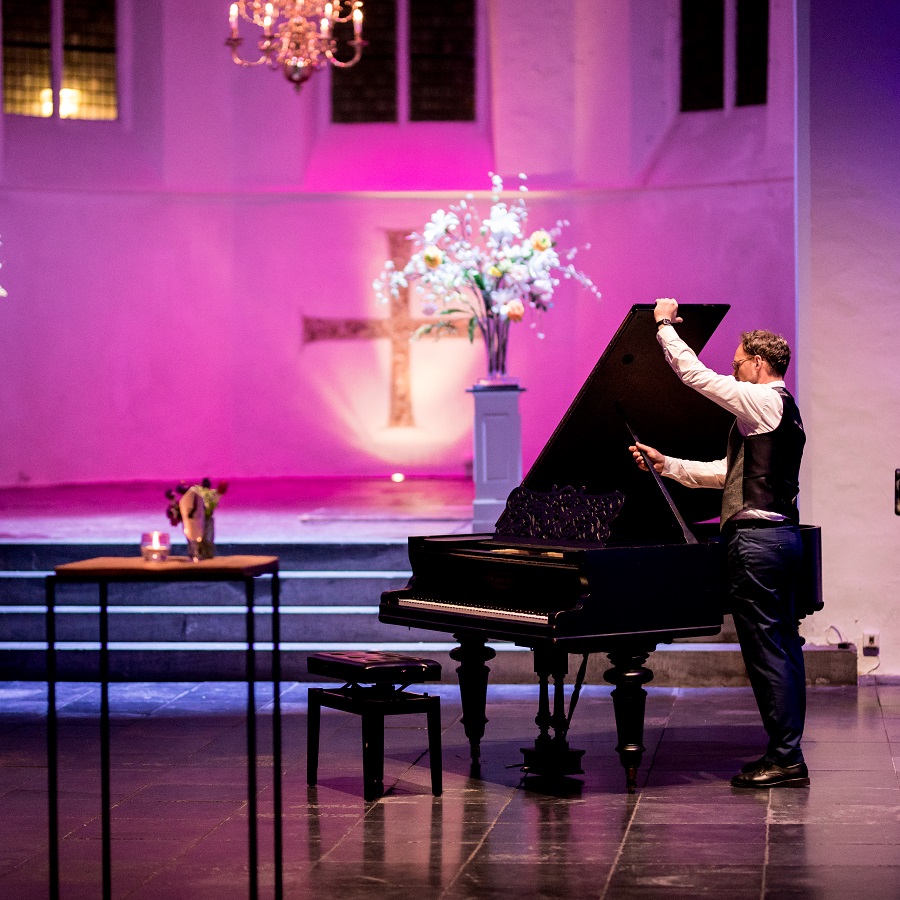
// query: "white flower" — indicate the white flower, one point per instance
point(542, 288)
point(503, 223)
point(518, 273)
point(547, 259)
point(481, 268)
point(503, 296)
point(441, 223)
point(515, 252)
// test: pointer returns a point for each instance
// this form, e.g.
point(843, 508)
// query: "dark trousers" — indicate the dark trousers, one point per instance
point(763, 566)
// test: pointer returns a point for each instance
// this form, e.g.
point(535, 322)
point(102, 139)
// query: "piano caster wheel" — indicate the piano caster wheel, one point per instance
point(631, 779)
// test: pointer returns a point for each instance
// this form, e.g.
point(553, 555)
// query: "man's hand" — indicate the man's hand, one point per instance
point(656, 458)
point(667, 308)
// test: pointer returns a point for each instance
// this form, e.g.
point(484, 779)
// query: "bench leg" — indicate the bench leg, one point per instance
point(314, 706)
point(373, 755)
point(434, 746)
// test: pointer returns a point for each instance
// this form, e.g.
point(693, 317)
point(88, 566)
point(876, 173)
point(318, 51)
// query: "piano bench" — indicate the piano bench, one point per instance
point(375, 687)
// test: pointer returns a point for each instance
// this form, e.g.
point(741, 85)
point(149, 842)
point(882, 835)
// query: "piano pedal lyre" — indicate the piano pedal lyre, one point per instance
point(552, 756)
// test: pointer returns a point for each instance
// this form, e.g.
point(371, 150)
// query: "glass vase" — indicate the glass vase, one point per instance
point(495, 332)
point(205, 546)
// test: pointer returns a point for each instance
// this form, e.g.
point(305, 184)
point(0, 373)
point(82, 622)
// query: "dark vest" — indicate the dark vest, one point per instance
point(763, 470)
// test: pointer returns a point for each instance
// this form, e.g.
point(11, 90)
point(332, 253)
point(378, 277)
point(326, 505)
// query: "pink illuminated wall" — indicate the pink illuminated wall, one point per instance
point(159, 267)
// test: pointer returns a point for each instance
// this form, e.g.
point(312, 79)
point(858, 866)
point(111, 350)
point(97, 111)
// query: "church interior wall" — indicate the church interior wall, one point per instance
point(147, 338)
point(159, 273)
point(849, 214)
point(159, 267)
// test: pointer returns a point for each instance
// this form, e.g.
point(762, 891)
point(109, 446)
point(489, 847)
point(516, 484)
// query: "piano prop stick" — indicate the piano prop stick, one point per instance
point(688, 536)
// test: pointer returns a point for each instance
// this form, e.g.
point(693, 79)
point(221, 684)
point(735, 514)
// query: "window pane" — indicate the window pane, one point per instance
point(89, 60)
point(702, 54)
point(752, 52)
point(367, 92)
point(26, 58)
point(442, 60)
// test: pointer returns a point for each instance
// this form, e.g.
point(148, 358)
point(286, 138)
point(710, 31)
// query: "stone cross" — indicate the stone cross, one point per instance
point(398, 327)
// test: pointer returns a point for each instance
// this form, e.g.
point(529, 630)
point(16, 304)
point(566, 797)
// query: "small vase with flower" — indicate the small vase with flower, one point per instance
point(193, 507)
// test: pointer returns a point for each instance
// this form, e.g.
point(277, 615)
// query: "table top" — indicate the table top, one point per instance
point(175, 568)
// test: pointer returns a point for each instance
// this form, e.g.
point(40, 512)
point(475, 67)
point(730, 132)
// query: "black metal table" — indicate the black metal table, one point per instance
point(104, 571)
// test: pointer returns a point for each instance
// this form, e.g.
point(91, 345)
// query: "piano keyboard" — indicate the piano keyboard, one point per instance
point(510, 615)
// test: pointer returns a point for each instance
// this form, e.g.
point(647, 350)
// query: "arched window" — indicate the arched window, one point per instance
point(419, 65)
point(724, 53)
point(59, 59)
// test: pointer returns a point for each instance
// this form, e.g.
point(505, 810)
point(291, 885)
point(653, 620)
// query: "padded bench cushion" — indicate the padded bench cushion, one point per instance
point(373, 667)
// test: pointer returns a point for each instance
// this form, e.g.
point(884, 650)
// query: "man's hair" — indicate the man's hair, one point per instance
point(773, 348)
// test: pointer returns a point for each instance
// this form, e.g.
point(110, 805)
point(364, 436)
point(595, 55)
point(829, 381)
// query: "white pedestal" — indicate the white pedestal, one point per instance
point(497, 467)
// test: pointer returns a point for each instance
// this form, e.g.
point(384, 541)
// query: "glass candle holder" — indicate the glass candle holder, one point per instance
point(155, 546)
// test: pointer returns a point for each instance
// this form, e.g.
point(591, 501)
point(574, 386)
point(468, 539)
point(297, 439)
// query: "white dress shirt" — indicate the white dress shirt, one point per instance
point(757, 407)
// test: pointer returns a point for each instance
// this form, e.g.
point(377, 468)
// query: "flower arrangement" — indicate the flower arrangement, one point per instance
point(211, 497)
point(492, 270)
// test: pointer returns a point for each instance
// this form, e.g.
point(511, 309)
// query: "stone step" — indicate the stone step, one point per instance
point(298, 588)
point(329, 600)
point(198, 624)
point(315, 615)
point(684, 665)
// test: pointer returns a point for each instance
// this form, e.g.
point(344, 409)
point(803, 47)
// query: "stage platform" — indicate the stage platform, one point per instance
point(253, 511)
point(341, 542)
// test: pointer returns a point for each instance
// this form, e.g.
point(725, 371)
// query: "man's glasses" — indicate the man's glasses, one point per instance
point(736, 364)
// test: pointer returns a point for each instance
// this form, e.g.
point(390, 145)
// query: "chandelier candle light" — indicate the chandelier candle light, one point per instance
point(298, 35)
point(492, 270)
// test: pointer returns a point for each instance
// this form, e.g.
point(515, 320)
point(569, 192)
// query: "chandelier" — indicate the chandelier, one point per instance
point(297, 35)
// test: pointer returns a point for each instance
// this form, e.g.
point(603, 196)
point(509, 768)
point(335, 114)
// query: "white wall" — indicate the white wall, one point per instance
point(849, 228)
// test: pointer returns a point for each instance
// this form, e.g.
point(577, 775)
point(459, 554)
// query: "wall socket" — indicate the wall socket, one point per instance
point(871, 643)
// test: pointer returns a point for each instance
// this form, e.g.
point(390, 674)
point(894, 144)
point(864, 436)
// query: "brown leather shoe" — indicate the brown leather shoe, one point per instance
point(769, 775)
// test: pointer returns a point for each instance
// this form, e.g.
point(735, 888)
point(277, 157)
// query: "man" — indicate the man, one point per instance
point(759, 526)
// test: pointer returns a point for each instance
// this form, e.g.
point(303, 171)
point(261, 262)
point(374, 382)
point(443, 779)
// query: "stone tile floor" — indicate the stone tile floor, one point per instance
point(179, 827)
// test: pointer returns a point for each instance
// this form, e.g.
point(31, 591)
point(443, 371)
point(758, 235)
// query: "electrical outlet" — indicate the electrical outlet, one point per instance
point(871, 643)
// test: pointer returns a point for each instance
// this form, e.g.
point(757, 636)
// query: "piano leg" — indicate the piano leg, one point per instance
point(551, 755)
point(472, 654)
point(629, 699)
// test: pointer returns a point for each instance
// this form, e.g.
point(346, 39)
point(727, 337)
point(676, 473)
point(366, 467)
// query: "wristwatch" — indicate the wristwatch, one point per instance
point(663, 322)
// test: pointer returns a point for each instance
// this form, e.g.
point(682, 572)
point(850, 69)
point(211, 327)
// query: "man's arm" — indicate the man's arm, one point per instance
point(691, 473)
point(756, 406)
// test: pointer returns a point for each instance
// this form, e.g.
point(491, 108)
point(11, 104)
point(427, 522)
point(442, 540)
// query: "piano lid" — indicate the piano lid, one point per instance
point(589, 447)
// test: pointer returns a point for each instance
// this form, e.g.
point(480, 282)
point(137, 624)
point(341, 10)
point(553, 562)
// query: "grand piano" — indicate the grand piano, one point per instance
point(592, 554)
